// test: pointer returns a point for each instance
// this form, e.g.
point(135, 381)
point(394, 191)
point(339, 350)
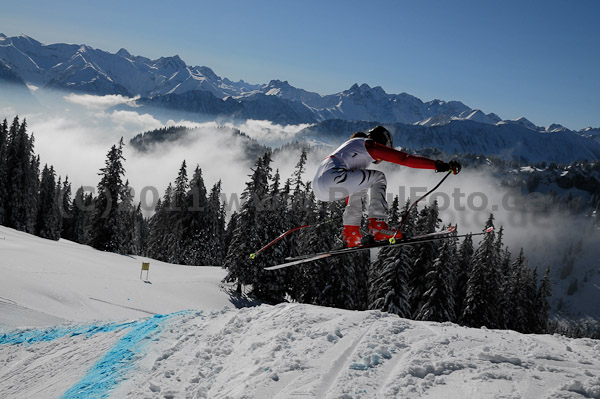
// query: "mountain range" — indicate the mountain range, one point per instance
point(169, 85)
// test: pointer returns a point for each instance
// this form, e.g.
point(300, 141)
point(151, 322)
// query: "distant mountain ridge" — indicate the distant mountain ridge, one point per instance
point(168, 82)
point(508, 141)
point(168, 86)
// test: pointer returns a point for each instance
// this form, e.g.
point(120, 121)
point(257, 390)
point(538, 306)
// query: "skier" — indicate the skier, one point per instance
point(344, 174)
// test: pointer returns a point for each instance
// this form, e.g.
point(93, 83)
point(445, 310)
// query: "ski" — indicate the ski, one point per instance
point(437, 235)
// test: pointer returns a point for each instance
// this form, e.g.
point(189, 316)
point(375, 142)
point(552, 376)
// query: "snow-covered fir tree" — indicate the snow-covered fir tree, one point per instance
point(311, 279)
point(229, 232)
point(424, 256)
point(252, 232)
point(48, 215)
point(388, 275)
point(133, 224)
point(543, 305)
point(22, 179)
point(340, 281)
point(215, 227)
point(504, 295)
point(462, 273)
point(161, 236)
point(516, 294)
point(65, 203)
point(438, 298)
point(107, 223)
point(481, 301)
point(3, 169)
point(78, 227)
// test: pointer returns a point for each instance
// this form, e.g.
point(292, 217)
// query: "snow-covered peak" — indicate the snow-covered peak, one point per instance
point(365, 89)
point(553, 128)
point(124, 53)
point(171, 63)
point(207, 72)
point(29, 40)
point(479, 116)
point(524, 122)
point(278, 88)
point(435, 121)
point(591, 131)
point(275, 83)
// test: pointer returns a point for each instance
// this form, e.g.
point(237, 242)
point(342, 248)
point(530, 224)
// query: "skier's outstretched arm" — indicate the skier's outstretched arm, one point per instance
point(378, 151)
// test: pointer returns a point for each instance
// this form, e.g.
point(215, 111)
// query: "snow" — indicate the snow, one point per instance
point(72, 282)
point(180, 335)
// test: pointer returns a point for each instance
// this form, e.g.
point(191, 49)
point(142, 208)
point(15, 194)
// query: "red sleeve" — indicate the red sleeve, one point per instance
point(378, 151)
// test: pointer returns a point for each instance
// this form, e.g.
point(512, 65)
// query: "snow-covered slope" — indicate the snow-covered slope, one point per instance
point(46, 281)
point(108, 341)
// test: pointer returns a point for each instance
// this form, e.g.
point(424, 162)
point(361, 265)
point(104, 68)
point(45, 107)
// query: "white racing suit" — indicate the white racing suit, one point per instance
point(344, 174)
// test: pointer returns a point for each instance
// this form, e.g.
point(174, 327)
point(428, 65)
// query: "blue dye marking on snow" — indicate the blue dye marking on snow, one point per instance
point(50, 334)
point(358, 366)
point(112, 368)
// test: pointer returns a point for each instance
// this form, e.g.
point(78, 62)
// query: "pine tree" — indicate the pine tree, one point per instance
point(394, 212)
point(389, 274)
point(530, 301)
point(311, 280)
point(463, 271)
point(107, 224)
point(388, 282)
point(81, 211)
point(516, 293)
point(179, 217)
point(229, 232)
point(65, 211)
point(216, 227)
point(543, 306)
point(481, 301)
point(22, 179)
point(160, 231)
point(195, 223)
point(136, 232)
point(129, 239)
point(425, 254)
point(252, 232)
point(180, 189)
point(337, 282)
point(3, 169)
point(438, 299)
point(47, 224)
point(302, 203)
point(505, 273)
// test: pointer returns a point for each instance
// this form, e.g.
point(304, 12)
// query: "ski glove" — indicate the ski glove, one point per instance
point(441, 166)
point(454, 167)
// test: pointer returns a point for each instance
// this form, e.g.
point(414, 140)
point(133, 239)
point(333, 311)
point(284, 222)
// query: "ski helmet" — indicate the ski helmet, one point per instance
point(381, 135)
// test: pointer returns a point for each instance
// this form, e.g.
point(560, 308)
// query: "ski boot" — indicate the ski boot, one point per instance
point(380, 231)
point(351, 236)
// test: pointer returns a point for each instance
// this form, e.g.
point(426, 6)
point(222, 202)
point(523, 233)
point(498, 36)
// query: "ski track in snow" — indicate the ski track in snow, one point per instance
point(292, 351)
point(99, 355)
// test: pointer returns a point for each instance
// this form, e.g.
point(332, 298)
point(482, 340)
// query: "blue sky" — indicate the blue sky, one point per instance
point(538, 59)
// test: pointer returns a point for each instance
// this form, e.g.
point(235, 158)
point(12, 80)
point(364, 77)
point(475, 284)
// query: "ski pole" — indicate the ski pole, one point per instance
point(405, 217)
point(306, 226)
